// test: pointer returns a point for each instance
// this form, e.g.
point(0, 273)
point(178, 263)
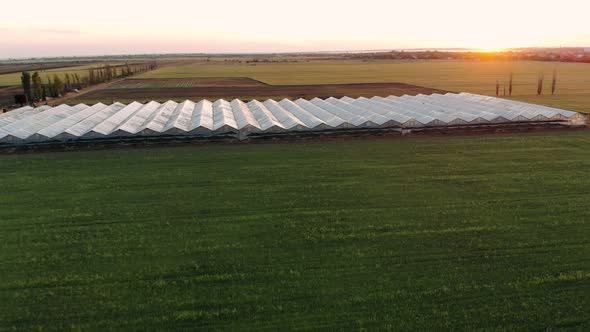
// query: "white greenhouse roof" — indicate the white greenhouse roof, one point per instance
point(209, 118)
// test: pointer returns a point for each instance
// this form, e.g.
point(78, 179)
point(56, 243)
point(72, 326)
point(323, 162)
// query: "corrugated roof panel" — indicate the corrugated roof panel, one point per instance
point(243, 115)
point(183, 118)
point(284, 117)
point(456, 111)
point(466, 106)
point(387, 111)
point(166, 113)
point(418, 112)
point(15, 112)
point(140, 119)
point(362, 110)
point(203, 115)
point(3, 133)
point(13, 116)
point(327, 117)
point(266, 120)
point(442, 114)
point(89, 123)
point(354, 119)
point(304, 116)
point(81, 107)
point(223, 115)
point(29, 126)
point(511, 111)
point(497, 111)
point(400, 108)
point(61, 126)
point(112, 123)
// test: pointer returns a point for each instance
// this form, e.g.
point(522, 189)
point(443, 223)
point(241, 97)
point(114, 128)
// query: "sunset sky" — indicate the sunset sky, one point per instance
point(63, 27)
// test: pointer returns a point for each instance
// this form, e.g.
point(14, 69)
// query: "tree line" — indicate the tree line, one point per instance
point(540, 82)
point(37, 89)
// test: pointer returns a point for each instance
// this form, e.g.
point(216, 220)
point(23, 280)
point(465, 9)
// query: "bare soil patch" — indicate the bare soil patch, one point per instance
point(7, 94)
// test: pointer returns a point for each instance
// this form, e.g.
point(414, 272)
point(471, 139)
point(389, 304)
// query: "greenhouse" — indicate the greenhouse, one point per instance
point(245, 119)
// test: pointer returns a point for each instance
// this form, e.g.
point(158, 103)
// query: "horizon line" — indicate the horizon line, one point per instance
point(415, 49)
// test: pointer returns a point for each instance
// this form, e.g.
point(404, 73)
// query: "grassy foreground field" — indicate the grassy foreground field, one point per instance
point(573, 89)
point(415, 234)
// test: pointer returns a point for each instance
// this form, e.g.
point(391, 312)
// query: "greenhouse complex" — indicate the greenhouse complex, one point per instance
point(243, 120)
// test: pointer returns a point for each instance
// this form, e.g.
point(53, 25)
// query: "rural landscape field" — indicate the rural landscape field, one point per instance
point(573, 88)
point(322, 166)
point(198, 79)
point(458, 233)
point(14, 79)
point(487, 233)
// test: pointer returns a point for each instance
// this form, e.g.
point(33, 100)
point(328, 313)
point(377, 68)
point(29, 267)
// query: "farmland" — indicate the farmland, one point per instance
point(193, 79)
point(40, 66)
point(573, 88)
point(14, 79)
point(243, 88)
point(466, 233)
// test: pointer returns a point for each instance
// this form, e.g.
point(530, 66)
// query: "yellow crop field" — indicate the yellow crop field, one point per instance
point(573, 79)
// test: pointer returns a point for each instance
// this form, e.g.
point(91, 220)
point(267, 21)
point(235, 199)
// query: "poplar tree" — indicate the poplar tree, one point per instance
point(58, 86)
point(37, 86)
point(540, 84)
point(26, 83)
point(554, 82)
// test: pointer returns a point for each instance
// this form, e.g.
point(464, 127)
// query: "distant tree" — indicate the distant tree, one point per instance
point(497, 88)
point(58, 86)
point(554, 81)
point(37, 86)
point(84, 81)
point(540, 80)
point(91, 76)
point(68, 82)
point(108, 74)
point(49, 88)
point(510, 84)
point(26, 83)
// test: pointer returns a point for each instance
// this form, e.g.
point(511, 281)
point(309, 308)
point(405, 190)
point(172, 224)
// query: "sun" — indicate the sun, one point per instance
point(491, 50)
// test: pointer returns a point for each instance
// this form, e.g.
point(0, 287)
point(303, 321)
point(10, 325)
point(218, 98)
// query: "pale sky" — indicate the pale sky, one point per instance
point(64, 27)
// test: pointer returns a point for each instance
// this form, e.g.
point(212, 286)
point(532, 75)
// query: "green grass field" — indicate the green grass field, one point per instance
point(573, 88)
point(15, 78)
point(488, 233)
